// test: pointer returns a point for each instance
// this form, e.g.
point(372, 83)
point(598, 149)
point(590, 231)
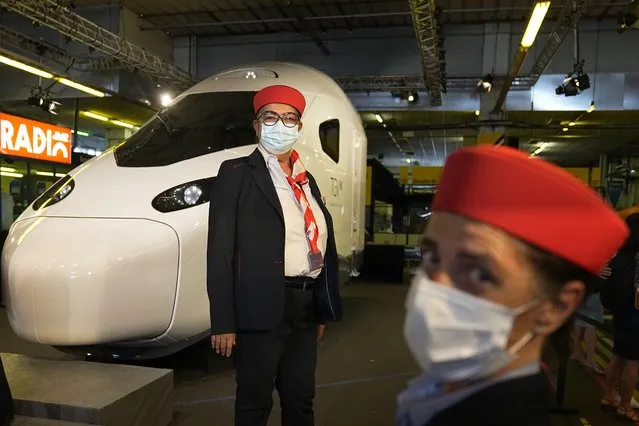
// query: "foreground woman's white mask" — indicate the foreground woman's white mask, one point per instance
point(454, 335)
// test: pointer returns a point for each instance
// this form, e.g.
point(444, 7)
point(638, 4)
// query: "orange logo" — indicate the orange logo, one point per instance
point(20, 137)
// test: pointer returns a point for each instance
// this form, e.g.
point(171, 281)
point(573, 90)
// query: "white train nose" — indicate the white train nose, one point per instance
point(82, 281)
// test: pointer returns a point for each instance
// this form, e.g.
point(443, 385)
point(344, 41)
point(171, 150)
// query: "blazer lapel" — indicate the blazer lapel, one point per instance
point(264, 181)
point(318, 197)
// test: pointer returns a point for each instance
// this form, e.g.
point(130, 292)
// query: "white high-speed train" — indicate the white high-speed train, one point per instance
point(111, 260)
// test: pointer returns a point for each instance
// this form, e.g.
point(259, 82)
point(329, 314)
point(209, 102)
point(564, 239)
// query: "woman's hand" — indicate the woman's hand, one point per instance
point(223, 343)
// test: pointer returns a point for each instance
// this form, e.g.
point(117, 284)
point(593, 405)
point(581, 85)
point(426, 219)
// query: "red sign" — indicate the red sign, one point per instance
point(20, 137)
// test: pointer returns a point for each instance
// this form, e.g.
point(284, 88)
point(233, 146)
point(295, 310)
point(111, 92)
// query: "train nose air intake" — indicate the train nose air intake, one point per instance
point(83, 281)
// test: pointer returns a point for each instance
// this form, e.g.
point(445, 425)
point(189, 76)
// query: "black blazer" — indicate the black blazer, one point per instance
point(517, 402)
point(245, 256)
point(6, 402)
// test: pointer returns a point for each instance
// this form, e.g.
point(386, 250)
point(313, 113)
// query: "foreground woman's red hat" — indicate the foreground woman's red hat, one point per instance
point(280, 95)
point(532, 200)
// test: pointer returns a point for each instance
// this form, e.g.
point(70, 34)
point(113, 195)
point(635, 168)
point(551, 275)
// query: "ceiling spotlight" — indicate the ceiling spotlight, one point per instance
point(42, 99)
point(485, 84)
point(565, 129)
point(166, 99)
point(412, 97)
point(575, 82)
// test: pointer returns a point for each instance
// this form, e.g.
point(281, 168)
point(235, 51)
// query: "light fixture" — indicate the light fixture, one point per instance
point(43, 99)
point(541, 147)
point(122, 124)
point(485, 84)
point(379, 118)
point(565, 129)
point(80, 133)
point(24, 67)
point(7, 169)
point(534, 23)
point(11, 174)
point(166, 99)
point(572, 123)
point(45, 74)
point(183, 196)
point(408, 160)
point(80, 87)
point(49, 174)
point(477, 113)
point(575, 82)
point(95, 116)
point(591, 108)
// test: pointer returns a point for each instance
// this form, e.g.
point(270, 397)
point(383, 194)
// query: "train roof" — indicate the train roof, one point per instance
point(255, 77)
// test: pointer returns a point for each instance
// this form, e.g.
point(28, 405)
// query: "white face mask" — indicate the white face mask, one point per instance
point(454, 335)
point(278, 139)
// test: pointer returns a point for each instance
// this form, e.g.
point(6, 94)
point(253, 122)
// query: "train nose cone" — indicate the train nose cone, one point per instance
point(82, 281)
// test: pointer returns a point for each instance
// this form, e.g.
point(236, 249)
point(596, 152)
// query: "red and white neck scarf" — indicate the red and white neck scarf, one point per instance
point(297, 180)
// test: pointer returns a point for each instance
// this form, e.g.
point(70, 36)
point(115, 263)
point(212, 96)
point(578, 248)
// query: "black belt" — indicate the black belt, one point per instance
point(299, 283)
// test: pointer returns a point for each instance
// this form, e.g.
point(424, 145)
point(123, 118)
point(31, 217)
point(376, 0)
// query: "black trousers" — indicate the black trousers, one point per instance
point(284, 358)
point(6, 402)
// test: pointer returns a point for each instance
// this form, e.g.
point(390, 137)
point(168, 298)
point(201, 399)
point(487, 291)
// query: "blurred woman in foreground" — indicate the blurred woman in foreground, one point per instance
point(506, 256)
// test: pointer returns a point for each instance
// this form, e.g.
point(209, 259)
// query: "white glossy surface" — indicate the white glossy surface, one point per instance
point(95, 312)
point(96, 289)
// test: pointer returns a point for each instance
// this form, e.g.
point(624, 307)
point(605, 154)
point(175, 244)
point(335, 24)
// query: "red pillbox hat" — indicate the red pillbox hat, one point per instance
point(533, 200)
point(280, 95)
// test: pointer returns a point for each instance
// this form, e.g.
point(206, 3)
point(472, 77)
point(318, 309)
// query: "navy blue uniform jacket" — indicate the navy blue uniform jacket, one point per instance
point(245, 256)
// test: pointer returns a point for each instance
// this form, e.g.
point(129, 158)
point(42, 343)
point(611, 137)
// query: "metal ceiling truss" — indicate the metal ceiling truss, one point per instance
point(416, 83)
point(58, 17)
point(17, 40)
point(425, 24)
point(570, 15)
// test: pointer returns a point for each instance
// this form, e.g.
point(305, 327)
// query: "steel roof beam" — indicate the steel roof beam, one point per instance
point(425, 24)
point(55, 16)
point(570, 16)
point(416, 82)
point(38, 47)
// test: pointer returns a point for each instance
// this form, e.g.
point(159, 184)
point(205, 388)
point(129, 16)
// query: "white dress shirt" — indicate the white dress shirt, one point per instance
point(296, 245)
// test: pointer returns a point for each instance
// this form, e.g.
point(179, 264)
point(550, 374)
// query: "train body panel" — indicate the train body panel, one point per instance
point(127, 228)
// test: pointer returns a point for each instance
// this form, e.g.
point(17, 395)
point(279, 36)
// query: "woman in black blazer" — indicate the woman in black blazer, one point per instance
point(6, 401)
point(272, 267)
point(507, 258)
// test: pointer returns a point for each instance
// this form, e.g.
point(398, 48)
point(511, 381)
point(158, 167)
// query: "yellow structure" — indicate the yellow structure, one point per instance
point(428, 175)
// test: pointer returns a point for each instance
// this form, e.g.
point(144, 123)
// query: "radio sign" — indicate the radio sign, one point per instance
point(25, 138)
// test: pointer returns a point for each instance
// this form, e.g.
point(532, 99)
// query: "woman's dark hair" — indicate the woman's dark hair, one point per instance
point(554, 272)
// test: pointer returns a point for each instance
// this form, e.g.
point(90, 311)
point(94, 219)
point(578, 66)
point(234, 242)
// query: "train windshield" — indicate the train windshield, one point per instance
point(198, 124)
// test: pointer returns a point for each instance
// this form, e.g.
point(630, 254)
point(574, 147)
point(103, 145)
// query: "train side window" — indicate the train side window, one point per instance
point(199, 124)
point(329, 136)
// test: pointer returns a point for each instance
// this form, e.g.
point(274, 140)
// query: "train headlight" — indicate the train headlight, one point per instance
point(183, 196)
point(55, 193)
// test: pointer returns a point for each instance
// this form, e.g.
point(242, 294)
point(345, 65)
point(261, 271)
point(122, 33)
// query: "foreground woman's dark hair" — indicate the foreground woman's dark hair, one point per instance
point(553, 273)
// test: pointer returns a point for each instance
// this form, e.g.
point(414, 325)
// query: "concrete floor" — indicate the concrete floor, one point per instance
point(363, 364)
